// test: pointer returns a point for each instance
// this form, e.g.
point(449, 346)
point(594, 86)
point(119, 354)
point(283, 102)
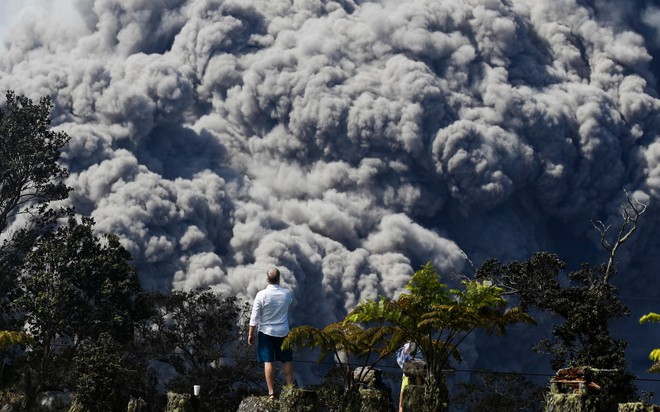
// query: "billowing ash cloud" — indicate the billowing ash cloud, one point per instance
point(349, 142)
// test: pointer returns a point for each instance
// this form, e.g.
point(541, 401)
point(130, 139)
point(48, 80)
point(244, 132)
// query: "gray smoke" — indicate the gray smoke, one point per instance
point(349, 142)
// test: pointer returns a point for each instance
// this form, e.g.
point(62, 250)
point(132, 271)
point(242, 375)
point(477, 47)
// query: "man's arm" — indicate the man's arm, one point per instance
point(254, 319)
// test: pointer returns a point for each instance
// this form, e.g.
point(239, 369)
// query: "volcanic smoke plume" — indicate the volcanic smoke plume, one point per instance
point(349, 142)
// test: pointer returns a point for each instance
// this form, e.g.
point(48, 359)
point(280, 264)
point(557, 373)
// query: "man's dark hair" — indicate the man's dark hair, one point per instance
point(273, 275)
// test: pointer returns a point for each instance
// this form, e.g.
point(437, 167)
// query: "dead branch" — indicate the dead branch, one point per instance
point(630, 214)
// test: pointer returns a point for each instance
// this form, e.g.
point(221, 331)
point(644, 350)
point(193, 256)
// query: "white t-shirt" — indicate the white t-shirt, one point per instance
point(270, 311)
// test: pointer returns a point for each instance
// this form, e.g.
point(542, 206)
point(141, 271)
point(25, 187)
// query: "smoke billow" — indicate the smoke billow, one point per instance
point(349, 142)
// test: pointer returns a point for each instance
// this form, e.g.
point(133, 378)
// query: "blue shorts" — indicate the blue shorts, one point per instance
point(269, 349)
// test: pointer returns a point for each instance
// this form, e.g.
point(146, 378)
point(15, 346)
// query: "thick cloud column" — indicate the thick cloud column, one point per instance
point(350, 142)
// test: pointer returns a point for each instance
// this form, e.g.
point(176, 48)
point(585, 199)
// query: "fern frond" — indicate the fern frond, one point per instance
point(456, 317)
point(479, 294)
point(517, 314)
point(497, 321)
point(444, 350)
point(650, 317)
point(655, 368)
point(370, 311)
point(306, 336)
point(655, 355)
point(381, 339)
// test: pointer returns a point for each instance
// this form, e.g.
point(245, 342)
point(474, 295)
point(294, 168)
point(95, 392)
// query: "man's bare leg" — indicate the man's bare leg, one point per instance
point(269, 371)
point(288, 372)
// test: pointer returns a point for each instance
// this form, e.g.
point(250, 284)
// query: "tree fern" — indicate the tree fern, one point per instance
point(347, 341)
point(438, 319)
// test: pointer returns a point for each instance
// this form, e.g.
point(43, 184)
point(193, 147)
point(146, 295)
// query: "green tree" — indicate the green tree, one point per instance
point(585, 304)
point(30, 178)
point(346, 342)
point(437, 320)
point(654, 356)
point(73, 290)
point(29, 155)
point(195, 332)
point(75, 287)
point(585, 300)
point(105, 376)
point(495, 392)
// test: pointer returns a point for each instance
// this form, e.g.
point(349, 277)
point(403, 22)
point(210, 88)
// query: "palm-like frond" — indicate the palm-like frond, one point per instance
point(655, 357)
point(655, 353)
point(383, 340)
point(334, 338)
point(437, 352)
point(370, 311)
point(479, 294)
point(655, 368)
point(650, 317)
point(425, 284)
point(518, 315)
point(496, 321)
point(382, 311)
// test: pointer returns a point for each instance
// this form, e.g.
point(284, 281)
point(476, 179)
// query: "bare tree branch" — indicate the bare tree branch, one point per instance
point(630, 214)
point(474, 268)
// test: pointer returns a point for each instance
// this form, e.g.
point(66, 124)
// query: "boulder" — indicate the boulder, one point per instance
point(414, 400)
point(375, 400)
point(137, 405)
point(259, 404)
point(299, 400)
point(367, 376)
point(178, 402)
point(415, 368)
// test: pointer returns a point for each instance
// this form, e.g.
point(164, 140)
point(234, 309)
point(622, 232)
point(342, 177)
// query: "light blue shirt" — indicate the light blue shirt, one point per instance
point(270, 311)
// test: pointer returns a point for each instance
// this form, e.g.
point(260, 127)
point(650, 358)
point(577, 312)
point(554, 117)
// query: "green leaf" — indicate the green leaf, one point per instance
point(650, 317)
point(655, 355)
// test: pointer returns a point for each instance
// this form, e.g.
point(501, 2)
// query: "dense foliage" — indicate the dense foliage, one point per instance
point(438, 319)
point(29, 152)
point(196, 334)
point(74, 318)
point(585, 303)
point(30, 178)
point(494, 392)
point(74, 287)
point(104, 376)
point(434, 317)
point(347, 342)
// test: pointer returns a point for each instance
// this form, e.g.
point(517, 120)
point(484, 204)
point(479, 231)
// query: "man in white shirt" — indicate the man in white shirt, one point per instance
point(270, 313)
